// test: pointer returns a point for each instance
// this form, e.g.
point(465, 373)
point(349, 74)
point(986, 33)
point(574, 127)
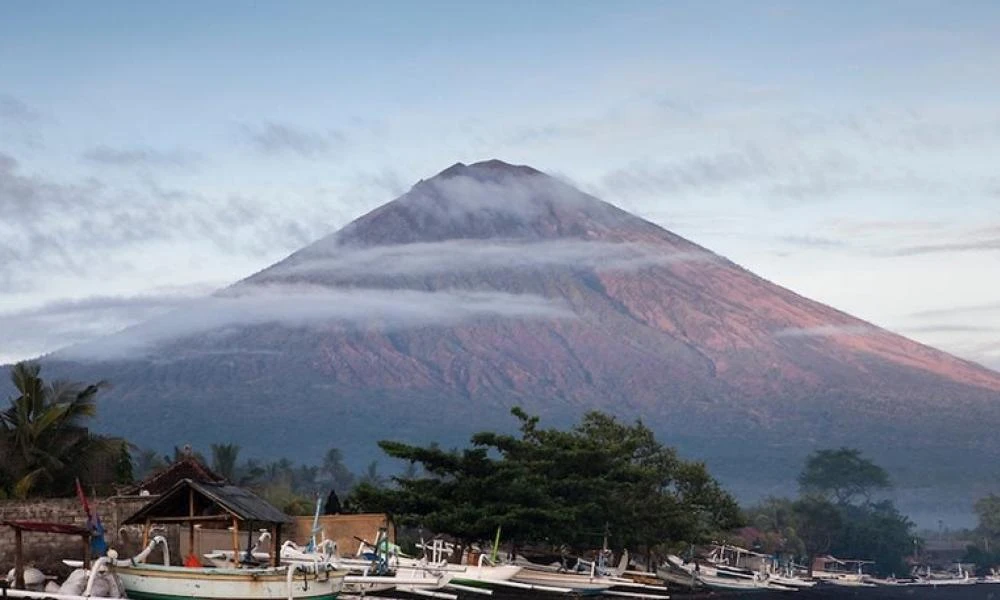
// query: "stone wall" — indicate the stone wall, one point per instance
point(344, 529)
point(46, 550)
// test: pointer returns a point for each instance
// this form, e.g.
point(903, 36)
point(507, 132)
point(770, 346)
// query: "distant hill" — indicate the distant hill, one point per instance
point(492, 285)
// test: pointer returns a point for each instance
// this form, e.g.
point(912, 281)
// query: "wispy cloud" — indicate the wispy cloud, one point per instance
point(881, 226)
point(74, 227)
point(698, 172)
point(281, 138)
point(139, 156)
point(809, 241)
point(60, 323)
point(950, 328)
point(967, 310)
point(12, 109)
point(312, 306)
point(986, 245)
point(460, 256)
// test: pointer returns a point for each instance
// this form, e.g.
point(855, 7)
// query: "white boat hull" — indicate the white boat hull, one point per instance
point(579, 584)
point(486, 574)
point(155, 582)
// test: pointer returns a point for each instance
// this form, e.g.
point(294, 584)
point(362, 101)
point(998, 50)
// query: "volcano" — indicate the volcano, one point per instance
point(492, 285)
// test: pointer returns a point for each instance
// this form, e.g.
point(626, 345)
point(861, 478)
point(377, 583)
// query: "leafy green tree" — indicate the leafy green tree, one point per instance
point(778, 520)
point(224, 459)
point(842, 476)
point(824, 520)
point(987, 510)
point(558, 486)
point(44, 440)
point(877, 532)
point(819, 524)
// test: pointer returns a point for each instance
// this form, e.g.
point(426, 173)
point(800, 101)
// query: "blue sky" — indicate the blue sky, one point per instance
point(154, 152)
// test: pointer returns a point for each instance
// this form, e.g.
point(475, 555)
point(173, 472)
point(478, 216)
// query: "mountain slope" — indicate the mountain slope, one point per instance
point(491, 285)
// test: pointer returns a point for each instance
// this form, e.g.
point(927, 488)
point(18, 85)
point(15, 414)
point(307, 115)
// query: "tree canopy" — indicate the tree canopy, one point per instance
point(842, 475)
point(835, 514)
point(560, 486)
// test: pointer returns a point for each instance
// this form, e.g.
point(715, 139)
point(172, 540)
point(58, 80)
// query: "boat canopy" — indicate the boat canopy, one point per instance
point(189, 500)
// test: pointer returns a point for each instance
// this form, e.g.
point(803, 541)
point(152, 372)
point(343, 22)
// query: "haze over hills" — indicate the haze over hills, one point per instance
point(492, 285)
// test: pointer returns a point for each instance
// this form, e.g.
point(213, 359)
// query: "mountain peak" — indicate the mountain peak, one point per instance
point(487, 170)
point(491, 199)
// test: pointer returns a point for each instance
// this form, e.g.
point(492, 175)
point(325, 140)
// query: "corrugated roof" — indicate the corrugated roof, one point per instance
point(210, 499)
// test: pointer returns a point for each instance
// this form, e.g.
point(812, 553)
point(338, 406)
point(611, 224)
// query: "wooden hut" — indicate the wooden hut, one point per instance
point(39, 527)
point(193, 502)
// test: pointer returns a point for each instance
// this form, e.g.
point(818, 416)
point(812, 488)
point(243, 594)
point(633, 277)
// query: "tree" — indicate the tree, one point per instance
point(842, 476)
point(336, 472)
point(123, 465)
point(372, 476)
point(566, 486)
point(224, 457)
point(824, 520)
point(877, 532)
point(819, 524)
point(43, 437)
point(987, 509)
point(778, 521)
point(147, 462)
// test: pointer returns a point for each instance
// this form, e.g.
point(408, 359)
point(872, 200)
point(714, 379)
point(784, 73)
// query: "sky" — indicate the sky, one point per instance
point(151, 153)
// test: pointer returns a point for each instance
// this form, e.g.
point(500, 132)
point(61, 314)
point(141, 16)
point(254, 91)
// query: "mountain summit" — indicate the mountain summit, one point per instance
point(492, 285)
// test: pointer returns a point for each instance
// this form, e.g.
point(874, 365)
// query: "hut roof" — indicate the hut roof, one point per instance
point(43, 527)
point(187, 467)
point(190, 500)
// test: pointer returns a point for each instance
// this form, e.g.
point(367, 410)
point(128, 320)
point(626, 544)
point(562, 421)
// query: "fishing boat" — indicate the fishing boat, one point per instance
point(718, 577)
point(960, 577)
point(163, 582)
point(835, 571)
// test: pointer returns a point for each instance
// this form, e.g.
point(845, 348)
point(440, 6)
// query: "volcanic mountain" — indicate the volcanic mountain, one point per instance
point(492, 285)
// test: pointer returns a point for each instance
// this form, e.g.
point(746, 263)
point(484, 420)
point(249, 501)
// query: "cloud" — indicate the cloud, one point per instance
point(985, 245)
point(950, 328)
point(825, 331)
point(971, 309)
point(854, 227)
point(697, 172)
point(131, 157)
point(772, 172)
point(311, 306)
point(458, 256)
point(279, 138)
point(86, 228)
point(12, 109)
point(809, 241)
point(34, 331)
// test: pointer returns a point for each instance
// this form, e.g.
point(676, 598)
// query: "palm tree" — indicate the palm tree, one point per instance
point(372, 476)
point(224, 457)
point(147, 462)
point(44, 440)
